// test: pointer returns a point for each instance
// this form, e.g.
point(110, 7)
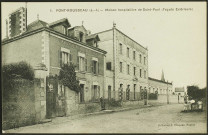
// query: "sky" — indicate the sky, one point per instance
point(176, 39)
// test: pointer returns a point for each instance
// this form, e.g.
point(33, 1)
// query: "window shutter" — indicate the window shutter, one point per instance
point(86, 64)
point(98, 91)
point(70, 59)
point(92, 92)
point(98, 68)
point(77, 62)
point(60, 58)
point(92, 67)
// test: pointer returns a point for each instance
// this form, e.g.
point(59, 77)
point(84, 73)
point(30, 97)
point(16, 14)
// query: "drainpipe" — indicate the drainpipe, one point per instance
point(114, 59)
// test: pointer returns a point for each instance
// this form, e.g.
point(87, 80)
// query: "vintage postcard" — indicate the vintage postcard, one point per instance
point(104, 67)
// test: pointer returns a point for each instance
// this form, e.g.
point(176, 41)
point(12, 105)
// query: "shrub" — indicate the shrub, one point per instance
point(67, 77)
point(113, 103)
point(152, 96)
point(17, 70)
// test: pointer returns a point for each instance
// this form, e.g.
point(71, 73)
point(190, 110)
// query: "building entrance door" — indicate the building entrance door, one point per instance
point(109, 92)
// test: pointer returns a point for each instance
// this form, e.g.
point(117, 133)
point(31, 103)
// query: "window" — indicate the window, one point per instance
point(66, 58)
point(108, 65)
point(134, 55)
point(140, 73)
point(81, 37)
point(144, 60)
point(127, 53)
point(120, 48)
point(96, 44)
point(95, 92)
point(94, 67)
point(128, 69)
point(140, 58)
point(120, 66)
point(144, 74)
point(82, 64)
point(134, 70)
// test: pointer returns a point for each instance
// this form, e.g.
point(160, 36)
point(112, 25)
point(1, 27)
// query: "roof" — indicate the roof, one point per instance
point(63, 21)
point(36, 25)
point(26, 34)
point(124, 35)
point(94, 36)
point(179, 89)
point(153, 79)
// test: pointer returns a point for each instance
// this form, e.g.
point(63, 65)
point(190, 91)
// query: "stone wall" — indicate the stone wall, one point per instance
point(172, 99)
point(23, 103)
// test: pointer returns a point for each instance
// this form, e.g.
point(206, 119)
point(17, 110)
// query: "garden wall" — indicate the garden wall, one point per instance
point(21, 104)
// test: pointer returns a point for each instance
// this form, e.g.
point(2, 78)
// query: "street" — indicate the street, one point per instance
point(160, 119)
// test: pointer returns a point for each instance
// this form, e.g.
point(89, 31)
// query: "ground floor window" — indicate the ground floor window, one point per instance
point(95, 92)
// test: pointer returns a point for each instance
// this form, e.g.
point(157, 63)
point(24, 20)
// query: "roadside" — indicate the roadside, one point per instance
point(165, 118)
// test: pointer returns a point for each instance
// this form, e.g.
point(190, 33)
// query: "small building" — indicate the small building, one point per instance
point(160, 87)
point(180, 91)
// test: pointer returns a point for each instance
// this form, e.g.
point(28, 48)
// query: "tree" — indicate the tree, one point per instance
point(194, 92)
point(67, 77)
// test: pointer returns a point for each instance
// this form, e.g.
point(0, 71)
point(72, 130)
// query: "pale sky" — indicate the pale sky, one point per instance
point(176, 40)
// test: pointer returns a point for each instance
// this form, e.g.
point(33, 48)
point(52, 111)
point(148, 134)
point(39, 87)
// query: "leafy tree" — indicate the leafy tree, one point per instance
point(67, 77)
point(194, 92)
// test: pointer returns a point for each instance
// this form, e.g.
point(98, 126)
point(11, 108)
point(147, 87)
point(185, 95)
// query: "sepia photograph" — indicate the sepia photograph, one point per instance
point(104, 67)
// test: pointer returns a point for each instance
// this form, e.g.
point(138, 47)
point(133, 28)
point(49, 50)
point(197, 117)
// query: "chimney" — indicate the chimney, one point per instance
point(88, 32)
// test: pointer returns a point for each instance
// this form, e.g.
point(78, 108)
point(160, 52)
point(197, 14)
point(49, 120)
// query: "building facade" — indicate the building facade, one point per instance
point(160, 87)
point(55, 44)
point(126, 65)
point(180, 91)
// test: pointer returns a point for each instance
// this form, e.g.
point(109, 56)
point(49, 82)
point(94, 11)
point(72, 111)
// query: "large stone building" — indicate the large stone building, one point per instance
point(126, 65)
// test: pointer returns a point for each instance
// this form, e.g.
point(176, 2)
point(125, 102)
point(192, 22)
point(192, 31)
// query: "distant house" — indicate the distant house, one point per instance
point(180, 91)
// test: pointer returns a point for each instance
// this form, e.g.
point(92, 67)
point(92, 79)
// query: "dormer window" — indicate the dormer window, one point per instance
point(81, 36)
point(96, 44)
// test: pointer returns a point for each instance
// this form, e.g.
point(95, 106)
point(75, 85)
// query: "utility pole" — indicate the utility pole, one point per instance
point(167, 94)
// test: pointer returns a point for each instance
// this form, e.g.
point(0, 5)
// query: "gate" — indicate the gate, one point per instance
point(55, 98)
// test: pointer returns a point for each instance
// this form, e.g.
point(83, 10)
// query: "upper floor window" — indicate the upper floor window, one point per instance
point(127, 53)
point(134, 70)
point(140, 58)
point(108, 65)
point(120, 48)
point(120, 66)
point(65, 56)
point(128, 69)
point(134, 55)
point(81, 62)
point(140, 72)
point(145, 74)
point(95, 66)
